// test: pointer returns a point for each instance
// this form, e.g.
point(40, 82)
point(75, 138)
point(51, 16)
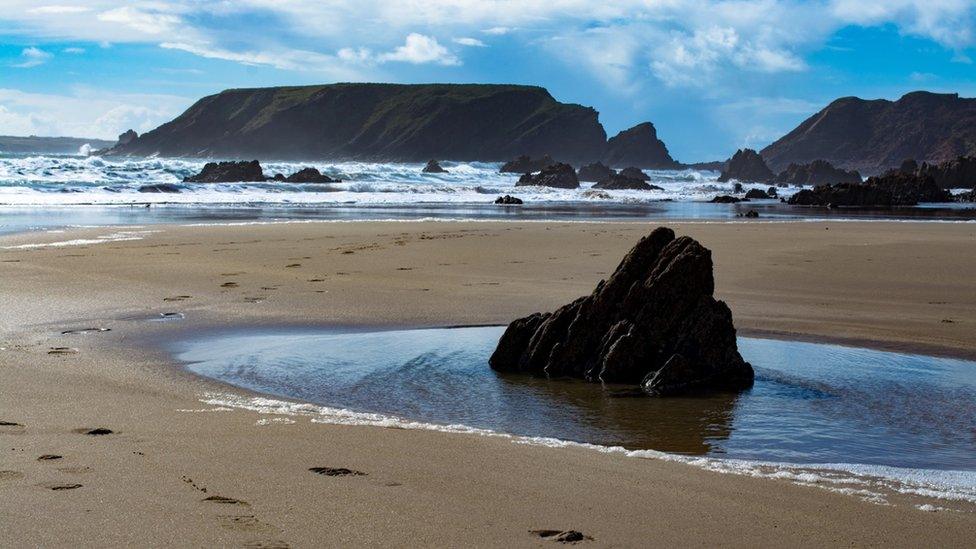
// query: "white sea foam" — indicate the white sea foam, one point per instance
point(872, 483)
point(116, 236)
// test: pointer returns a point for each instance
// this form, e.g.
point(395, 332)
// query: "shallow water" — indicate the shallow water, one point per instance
point(811, 403)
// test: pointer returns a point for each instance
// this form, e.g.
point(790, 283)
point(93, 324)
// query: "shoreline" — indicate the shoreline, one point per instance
point(450, 489)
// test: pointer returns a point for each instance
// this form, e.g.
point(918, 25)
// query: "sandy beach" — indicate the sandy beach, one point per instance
point(889, 285)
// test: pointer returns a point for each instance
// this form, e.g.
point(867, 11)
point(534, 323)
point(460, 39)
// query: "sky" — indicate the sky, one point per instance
point(713, 76)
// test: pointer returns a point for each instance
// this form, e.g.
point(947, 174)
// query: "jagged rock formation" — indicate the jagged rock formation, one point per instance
point(818, 172)
point(391, 122)
point(635, 173)
point(654, 322)
point(309, 175)
point(746, 165)
point(508, 200)
point(897, 189)
point(527, 164)
point(595, 172)
point(559, 175)
point(228, 172)
point(619, 181)
point(639, 146)
point(433, 167)
point(958, 173)
point(757, 194)
point(127, 137)
point(873, 136)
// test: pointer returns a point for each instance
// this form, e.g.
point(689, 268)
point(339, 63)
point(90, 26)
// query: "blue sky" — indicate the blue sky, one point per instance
point(712, 75)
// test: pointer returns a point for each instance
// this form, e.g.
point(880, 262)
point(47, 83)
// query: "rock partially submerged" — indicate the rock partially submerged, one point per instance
point(159, 188)
point(433, 167)
point(595, 172)
point(525, 164)
point(746, 165)
point(635, 173)
point(560, 176)
point(619, 181)
point(727, 199)
point(654, 322)
point(508, 200)
point(818, 172)
point(757, 194)
point(309, 175)
point(228, 172)
point(894, 189)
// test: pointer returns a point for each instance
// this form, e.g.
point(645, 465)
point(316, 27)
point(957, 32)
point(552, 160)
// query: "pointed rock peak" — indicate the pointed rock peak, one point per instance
point(639, 146)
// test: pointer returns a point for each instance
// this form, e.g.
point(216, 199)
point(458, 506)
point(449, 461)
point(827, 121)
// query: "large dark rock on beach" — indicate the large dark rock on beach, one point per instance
point(746, 165)
point(508, 200)
point(639, 146)
point(818, 172)
point(654, 322)
point(894, 189)
point(595, 172)
point(561, 176)
point(228, 172)
point(309, 175)
point(527, 164)
point(433, 167)
point(619, 181)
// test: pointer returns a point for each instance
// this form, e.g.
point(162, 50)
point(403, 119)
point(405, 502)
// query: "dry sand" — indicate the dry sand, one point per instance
point(890, 285)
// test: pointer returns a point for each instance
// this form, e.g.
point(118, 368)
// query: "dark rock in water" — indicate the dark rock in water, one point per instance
point(508, 200)
point(818, 172)
point(746, 165)
point(653, 323)
point(619, 181)
point(895, 189)
point(772, 192)
point(595, 172)
point(279, 177)
point(561, 176)
point(966, 197)
point(159, 188)
point(752, 214)
point(228, 172)
point(726, 199)
point(959, 173)
point(639, 146)
point(525, 164)
point(737, 188)
point(127, 137)
point(635, 173)
point(433, 167)
point(757, 194)
point(309, 175)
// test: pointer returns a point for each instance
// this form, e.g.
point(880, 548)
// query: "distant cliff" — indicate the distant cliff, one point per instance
point(48, 145)
point(876, 135)
point(379, 122)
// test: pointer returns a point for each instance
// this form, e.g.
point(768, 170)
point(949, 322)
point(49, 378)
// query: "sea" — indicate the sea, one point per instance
point(44, 192)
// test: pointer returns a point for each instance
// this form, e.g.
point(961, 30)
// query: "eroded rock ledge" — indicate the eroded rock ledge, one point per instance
point(654, 322)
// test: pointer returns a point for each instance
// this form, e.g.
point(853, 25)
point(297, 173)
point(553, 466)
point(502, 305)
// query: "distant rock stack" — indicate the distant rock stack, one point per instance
point(127, 137)
point(594, 172)
point(654, 322)
point(560, 176)
point(228, 172)
point(639, 146)
point(818, 172)
point(433, 167)
point(746, 165)
point(526, 164)
point(895, 189)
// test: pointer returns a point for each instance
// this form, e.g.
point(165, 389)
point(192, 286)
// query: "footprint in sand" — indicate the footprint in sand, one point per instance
point(336, 472)
point(268, 544)
point(9, 424)
point(229, 285)
point(48, 457)
point(98, 431)
point(245, 523)
point(225, 501)
point(178, 298)
point(254, 299)
point(57, 487)
point(293, 265)
point(86, 331)
point(62, 351)
point(561, 536)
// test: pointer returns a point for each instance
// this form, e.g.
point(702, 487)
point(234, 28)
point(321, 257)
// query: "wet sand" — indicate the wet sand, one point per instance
point(906, 286)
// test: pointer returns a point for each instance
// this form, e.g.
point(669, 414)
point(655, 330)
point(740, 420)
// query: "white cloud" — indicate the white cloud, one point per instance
point(419, 49)
point(498, 31)
point(465, 41)
point(84, 112)
point(74, 50)
point(148, 22)
point(32, 57)
point(58, 9)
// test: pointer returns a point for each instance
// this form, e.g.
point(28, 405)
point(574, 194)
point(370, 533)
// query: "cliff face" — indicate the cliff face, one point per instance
point(379, 122)
point(639, 146)
point(873, 136)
